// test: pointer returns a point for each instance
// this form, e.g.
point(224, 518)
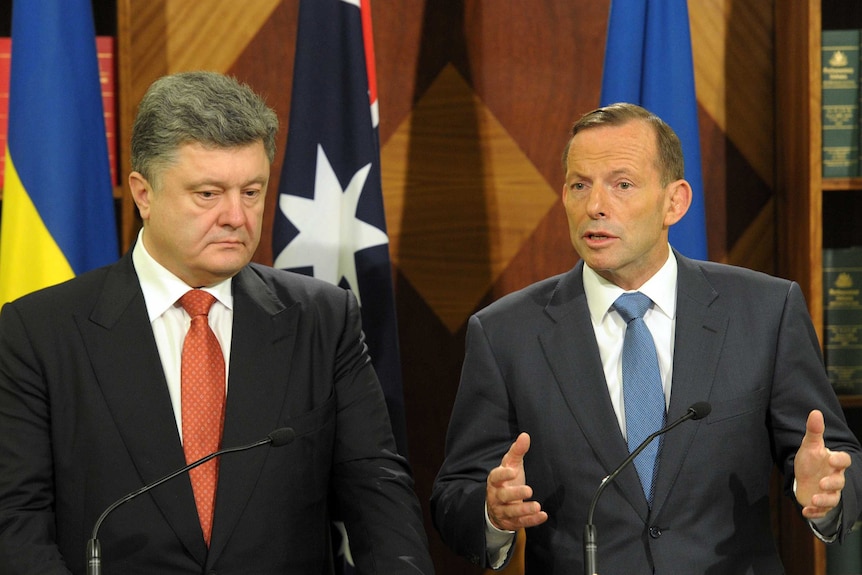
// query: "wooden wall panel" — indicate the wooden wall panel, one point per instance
point(461, 82)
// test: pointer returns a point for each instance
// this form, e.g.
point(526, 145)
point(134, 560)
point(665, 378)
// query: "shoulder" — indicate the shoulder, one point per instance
point(74, 293)
point(735, 287)
point(532, 309)
point(731, 276)
point(290, 288)
point(529, 298)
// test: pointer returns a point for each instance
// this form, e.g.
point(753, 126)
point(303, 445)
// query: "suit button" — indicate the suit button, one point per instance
point(655, 532)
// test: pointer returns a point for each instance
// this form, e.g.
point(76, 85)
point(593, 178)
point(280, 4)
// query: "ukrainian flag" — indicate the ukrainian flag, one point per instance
point(58, 216)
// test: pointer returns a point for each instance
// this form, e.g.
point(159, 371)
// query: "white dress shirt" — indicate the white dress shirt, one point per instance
point(170, 322)
point(610, 328)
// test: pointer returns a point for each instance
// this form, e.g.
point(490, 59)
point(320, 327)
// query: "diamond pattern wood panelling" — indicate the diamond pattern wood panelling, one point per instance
point(733, 53)
point(213, 36)
point(460, 212)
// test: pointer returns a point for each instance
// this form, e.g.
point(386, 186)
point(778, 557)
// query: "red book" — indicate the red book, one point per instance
point(5, 68)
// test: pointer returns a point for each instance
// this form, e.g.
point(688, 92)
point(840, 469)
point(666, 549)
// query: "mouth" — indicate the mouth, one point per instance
point(597, 236)
point(229, 243)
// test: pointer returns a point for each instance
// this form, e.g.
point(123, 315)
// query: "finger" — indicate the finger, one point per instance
point(812, 512)
point(831, 484)
point(826, 500)
point(513, 517)
point(528, 520)
point(500, 475)
point(515, 456)
point(839, 460)
point(814, 429)
point(510, 495)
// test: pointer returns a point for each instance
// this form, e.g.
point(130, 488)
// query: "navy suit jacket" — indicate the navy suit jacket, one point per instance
point(744, 342)
point(85, 417)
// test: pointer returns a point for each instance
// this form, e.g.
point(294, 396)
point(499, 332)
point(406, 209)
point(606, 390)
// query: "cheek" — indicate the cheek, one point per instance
point(254, 218)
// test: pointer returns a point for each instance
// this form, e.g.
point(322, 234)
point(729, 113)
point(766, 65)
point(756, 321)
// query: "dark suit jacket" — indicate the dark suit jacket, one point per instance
point(744, 342)
point(85, 418)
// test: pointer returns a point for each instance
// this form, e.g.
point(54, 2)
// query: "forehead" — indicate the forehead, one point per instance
point(195, 160)
point(631, 144)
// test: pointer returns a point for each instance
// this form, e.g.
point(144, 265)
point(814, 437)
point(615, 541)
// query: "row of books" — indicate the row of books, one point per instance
point(841, 93)
point(842, 346)
point(842, 318)
point(105, 51)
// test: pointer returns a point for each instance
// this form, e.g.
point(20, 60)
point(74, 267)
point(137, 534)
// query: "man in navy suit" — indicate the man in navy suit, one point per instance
point(540, 417)
point(90, 381)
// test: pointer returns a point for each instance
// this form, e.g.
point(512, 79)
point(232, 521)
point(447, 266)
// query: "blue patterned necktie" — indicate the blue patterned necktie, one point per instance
point(642, 388)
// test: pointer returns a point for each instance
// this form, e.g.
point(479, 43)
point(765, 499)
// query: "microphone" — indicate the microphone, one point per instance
point(277, 438)
point(696, 411)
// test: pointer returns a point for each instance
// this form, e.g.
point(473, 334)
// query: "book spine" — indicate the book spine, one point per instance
point(842, 305)
point(840, 103)
point(105, 54)
point(5, 70)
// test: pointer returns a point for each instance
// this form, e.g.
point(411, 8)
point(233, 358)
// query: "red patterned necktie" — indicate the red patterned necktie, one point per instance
point(203, 400)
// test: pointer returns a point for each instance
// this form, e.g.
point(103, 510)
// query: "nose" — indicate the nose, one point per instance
point(233, 212)
point(597, 203)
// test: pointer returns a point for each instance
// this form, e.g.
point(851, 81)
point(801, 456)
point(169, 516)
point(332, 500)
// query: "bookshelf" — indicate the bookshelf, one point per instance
point(813, 212)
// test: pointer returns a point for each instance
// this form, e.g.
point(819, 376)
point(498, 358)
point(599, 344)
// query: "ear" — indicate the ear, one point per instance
point(141, 190)
point(679, 199)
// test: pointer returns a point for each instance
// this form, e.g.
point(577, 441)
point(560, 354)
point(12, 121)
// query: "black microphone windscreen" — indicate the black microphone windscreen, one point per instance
point(282, 436)
point(701, 409)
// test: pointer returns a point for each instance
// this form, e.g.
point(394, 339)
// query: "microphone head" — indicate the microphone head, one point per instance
point(700, 410)
point(281, 436)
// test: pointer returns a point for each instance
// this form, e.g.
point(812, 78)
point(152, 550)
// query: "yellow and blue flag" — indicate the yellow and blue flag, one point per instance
point(648, 62)
point(58, 217)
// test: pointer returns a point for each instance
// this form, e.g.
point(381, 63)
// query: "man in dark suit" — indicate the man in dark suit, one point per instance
point(92, 392)
point(541, 413)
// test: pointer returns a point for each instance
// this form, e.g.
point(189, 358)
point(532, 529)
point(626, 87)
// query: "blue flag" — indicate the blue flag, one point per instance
point(648, 62)
point(58, 212)
point(330, 221)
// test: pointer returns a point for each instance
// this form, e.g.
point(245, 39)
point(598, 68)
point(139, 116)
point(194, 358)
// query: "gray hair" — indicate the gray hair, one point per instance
point(207, 108)
point(670, 161)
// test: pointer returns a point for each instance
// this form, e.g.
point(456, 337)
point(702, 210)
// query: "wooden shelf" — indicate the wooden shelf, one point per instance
point(841, 184)
point(800, 190)
point(850, 401)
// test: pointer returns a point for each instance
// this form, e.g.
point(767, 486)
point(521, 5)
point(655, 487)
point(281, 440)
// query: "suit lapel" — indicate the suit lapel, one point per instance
point(264, 331)
point(136, 395)
point(573, 354)
point(700, 331)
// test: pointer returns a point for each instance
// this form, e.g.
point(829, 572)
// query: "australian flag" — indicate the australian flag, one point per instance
point(330, 221)
point(648, 61)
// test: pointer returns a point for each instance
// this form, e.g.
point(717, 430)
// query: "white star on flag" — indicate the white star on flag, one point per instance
point(329, 231)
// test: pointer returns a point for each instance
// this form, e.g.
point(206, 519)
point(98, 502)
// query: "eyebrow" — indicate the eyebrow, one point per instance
point(219, 183)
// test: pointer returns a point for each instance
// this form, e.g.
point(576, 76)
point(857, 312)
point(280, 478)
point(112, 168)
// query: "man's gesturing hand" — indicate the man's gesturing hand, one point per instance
point(819, 471)
point(507, 491)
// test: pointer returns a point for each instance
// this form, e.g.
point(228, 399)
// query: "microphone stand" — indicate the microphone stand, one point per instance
point(277, 438)
point(697, 411)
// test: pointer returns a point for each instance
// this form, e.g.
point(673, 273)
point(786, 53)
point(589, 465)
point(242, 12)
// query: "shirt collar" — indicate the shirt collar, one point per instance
point(162, 289)
point(660, 288)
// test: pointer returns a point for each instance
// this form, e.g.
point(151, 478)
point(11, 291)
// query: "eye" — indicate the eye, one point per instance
point(626, 185)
